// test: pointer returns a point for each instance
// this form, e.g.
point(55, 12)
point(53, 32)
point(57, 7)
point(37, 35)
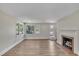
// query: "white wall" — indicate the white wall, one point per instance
point(7, 30)
point(8, 37)
point(44, 31)
point(69, 26)
point(70, 22)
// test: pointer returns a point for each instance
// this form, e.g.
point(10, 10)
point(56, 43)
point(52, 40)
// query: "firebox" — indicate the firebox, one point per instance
point(67, 42)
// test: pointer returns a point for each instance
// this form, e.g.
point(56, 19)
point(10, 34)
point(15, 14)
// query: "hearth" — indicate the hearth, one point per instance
point(67, 42)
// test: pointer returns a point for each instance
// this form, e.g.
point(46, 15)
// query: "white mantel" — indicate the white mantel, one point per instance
point(70, 33)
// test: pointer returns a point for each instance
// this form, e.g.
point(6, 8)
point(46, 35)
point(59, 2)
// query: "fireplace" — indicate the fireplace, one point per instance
point(67, 42)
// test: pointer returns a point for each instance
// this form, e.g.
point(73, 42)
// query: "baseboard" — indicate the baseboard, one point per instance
point(7, 49)
point(37, 38)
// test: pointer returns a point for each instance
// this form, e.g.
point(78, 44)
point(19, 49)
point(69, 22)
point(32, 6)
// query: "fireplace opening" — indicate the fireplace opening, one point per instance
point(68, 42)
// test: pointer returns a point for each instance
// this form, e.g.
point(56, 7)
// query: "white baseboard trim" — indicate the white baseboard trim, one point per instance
point(37, 38)
point(7, 49)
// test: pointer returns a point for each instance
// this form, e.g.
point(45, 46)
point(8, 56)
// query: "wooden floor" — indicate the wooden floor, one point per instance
point(38, 48)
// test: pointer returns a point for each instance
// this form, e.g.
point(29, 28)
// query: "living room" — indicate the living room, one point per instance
point(39, 29)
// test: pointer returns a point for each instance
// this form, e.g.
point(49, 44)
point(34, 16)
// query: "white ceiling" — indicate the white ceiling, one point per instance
point(40, 12)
